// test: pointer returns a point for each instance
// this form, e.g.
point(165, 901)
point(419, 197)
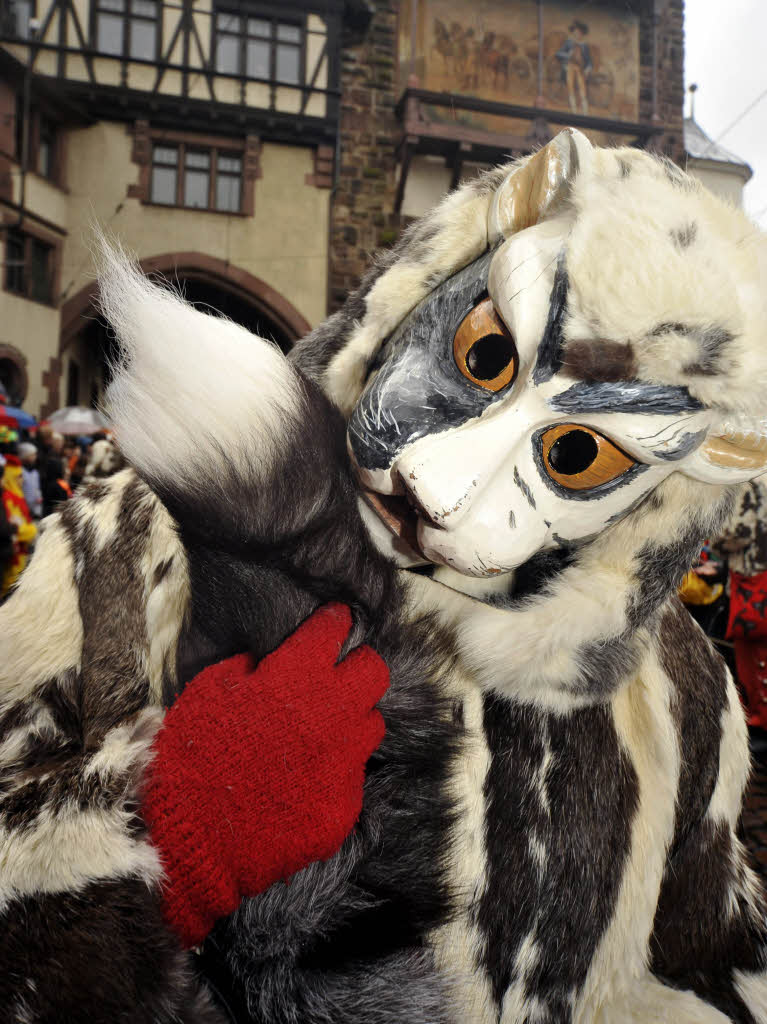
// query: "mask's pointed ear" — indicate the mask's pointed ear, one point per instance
point(538, 186)
point(735, 451)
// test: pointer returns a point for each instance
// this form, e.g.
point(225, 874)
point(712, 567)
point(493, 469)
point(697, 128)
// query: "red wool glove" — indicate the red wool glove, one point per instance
point(259, 770)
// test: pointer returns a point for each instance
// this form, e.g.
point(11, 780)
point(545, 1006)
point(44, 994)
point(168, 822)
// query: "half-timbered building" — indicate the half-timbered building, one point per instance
point(201, 132)
point(257, 152)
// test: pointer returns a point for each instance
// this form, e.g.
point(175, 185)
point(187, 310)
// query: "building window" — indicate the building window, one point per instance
point(18, 122)
point(128, 28)
point(42, 142)
point(46, 148)
point(16, 17)
point(14, 263)
point(28, 266)
point(228, 182)
point(164, 187)
point(200, 179)
point(259, 48)
point(197, 179)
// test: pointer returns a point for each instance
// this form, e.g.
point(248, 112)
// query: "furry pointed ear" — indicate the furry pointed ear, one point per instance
point(190, 388)
point(735, 451)
point(539, 185)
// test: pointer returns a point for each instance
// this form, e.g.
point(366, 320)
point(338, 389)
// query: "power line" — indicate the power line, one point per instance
point(737, 120)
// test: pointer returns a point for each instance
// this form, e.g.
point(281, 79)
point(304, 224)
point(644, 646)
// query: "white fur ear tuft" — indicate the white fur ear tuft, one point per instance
point(539, 185)
point(735, 451)
point(189, 387)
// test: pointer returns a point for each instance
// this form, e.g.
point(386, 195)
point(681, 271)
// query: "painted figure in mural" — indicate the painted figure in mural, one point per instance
point(574, 57)
point(454, 44)
point(537, 405)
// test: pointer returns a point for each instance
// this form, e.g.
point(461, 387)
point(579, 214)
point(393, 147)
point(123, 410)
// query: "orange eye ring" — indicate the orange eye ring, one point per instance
point(578, 458)
point(483, 348)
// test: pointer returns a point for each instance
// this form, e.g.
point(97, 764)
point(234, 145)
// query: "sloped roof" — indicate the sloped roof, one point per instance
point(700, 147)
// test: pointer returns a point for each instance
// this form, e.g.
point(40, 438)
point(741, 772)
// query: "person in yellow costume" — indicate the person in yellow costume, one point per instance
point(18, 516)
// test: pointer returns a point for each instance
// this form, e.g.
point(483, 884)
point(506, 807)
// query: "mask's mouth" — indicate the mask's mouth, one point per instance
point(398, 516)
point(401, 520)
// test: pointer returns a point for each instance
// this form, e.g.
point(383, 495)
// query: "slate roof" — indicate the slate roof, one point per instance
point(700, 147)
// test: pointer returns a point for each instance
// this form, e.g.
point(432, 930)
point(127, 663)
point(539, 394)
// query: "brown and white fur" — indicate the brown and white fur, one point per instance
point(550, 833)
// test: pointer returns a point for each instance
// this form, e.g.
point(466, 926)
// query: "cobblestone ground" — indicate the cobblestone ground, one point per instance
point(755, 816)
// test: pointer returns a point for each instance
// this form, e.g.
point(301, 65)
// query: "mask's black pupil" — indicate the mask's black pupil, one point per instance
point(573, 452)
point(489, 356)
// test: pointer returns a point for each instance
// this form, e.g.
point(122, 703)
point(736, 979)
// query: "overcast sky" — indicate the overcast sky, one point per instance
point(725, 55)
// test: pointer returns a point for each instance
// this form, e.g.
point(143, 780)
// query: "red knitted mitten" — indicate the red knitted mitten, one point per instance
point(259, 770)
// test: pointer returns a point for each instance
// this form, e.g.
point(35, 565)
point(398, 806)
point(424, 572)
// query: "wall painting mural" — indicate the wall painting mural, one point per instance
point(489, 49)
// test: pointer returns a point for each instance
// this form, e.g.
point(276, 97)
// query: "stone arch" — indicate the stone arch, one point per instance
point(288, 324)
point(197, 265)
point(13, 373)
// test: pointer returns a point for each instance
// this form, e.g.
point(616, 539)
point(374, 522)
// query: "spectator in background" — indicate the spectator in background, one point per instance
point(55, 482)
point(44, 442)
point(744, 544)
point(7, 532)
point(57, 487)
point(30, 479)
point(18, 516)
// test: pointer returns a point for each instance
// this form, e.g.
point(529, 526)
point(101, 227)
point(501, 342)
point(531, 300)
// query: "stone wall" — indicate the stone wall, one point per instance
point(362, 217)
point(363, 200)
point(670, 74)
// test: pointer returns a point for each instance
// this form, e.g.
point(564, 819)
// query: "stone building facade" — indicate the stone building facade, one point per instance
point(201, 133)
point(374, 128)
point(259, 152)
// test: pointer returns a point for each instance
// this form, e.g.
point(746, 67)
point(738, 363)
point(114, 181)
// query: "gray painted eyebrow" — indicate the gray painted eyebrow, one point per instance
point(625, 396)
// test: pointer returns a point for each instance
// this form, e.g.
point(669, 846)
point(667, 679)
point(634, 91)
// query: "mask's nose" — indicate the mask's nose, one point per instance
point(442, 475)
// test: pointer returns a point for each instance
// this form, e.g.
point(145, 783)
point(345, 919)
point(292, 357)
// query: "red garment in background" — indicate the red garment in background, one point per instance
point(751, 666)
point(747, 628)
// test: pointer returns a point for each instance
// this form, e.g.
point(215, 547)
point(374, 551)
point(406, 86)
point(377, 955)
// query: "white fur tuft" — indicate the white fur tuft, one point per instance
point(190, 386)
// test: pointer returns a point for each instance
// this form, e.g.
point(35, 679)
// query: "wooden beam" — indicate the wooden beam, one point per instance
point(453, 101)
point(407, 156)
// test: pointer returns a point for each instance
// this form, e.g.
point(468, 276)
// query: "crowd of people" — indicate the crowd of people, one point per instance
point(38, 473)
point(727, 594)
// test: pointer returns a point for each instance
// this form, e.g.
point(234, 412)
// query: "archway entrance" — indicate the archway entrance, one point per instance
point(13, 375)
point(87, 349)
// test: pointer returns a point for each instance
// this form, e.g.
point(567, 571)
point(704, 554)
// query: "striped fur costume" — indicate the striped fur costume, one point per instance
point(549, 831)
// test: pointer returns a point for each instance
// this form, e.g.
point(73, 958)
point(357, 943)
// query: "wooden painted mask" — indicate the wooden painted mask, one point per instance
point(599, 343)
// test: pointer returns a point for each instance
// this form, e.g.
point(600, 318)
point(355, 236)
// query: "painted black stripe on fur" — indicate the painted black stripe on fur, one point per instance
point(111, 587)
point(564, 902)
point(50, 772)
point(698, 701)
point(77, 939)
point(704, 926)
point(660, 568)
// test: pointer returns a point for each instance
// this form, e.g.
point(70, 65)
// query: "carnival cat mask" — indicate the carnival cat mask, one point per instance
point(540, 393)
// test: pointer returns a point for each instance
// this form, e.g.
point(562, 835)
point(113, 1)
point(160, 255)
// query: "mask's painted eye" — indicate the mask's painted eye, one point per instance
point(579, 458)
point(483, 348)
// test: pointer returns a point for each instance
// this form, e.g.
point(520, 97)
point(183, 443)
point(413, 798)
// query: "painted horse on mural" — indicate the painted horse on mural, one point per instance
point(503, 453)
